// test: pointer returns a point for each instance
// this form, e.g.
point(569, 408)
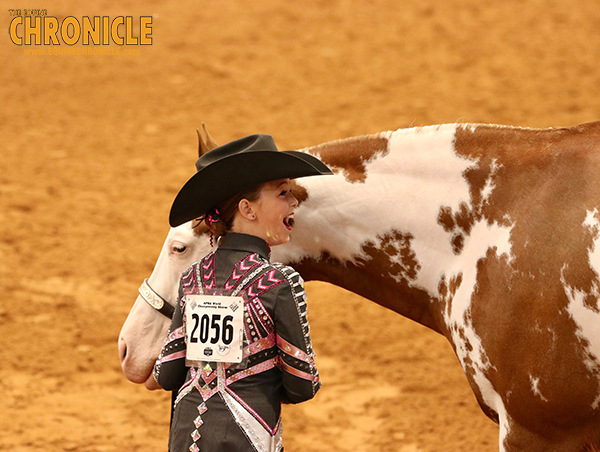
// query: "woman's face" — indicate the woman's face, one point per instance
point(273, 210)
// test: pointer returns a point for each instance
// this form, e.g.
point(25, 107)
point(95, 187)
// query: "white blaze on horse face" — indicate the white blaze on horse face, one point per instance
point(585, 316)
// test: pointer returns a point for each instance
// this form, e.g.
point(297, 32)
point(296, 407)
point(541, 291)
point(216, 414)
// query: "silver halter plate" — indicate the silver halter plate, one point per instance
point(155, 300)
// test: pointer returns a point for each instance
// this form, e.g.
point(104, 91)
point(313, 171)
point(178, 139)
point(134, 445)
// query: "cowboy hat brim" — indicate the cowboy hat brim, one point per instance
point(236, 173)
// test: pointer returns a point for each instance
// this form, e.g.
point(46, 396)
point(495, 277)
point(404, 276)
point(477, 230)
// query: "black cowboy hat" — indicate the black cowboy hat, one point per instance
point(235, 167)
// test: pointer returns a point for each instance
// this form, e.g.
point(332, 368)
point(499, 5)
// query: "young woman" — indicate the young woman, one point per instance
point(234, 367)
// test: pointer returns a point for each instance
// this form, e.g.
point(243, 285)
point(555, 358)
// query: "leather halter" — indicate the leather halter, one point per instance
point(155, 300)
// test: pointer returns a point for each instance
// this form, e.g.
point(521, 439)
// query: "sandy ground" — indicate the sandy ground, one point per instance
point(94, 148)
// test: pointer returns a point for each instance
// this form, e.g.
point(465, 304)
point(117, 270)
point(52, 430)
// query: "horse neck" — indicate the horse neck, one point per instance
point(410, 214)
point(395, 181)
point(372, 228)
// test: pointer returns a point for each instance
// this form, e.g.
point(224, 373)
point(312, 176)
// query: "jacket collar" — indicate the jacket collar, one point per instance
point(244, 242)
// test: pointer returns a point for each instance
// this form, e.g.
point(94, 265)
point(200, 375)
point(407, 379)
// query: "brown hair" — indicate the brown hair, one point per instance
point(227, 210)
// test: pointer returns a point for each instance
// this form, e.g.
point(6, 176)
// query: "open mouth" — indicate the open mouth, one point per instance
point(288, 222)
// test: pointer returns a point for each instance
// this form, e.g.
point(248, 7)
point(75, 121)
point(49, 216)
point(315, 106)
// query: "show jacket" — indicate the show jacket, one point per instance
point(237, 407)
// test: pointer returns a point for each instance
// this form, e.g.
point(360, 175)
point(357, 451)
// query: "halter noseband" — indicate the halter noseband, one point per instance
point(155, 300)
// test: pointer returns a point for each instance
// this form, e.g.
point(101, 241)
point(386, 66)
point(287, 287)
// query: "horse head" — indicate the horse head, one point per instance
point(145, 328)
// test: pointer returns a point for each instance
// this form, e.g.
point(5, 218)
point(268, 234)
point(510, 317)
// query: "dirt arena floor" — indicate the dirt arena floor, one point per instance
point(93, 149)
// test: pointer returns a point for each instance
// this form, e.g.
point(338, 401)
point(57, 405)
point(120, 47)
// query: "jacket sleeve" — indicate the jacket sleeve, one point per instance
point(296, 355)
point(170, 370)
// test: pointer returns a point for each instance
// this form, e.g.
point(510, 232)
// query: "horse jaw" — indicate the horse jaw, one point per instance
point(140, 341)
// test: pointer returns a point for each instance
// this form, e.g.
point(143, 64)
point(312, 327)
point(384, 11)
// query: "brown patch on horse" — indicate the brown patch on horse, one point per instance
point(592, 443)
point(460, 223)
point(299, 192)
point(591, 447)
point(394, 249)
point(351, 155)
point(382, 273)
point(544, 183)
point(447, 288)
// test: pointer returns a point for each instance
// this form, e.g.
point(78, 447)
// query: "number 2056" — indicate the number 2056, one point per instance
point(218, 330)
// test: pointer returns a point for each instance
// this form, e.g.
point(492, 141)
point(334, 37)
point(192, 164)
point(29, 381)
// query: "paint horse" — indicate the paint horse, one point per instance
point(489, 235)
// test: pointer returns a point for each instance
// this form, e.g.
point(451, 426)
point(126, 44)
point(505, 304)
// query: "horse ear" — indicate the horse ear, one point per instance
point(205, 146)
point(209, 140)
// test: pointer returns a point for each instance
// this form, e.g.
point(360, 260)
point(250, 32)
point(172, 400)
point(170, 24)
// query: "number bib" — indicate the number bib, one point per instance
point(214, 328)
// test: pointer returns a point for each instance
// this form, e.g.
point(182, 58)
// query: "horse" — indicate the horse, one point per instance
point(486, 234)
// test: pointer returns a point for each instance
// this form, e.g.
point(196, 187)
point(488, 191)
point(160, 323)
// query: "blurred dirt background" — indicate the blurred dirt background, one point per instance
point(94, 148)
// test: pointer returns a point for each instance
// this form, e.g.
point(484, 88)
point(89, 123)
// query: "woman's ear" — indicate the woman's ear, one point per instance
point(245, 209)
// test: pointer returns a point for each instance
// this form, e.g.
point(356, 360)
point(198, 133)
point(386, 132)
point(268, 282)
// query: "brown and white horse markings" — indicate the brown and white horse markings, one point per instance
point(489, 235)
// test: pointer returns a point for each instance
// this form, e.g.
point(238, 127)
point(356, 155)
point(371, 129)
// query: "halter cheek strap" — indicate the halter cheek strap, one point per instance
point(155, 300)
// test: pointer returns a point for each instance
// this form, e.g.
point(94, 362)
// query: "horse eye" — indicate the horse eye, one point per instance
point(179, 248)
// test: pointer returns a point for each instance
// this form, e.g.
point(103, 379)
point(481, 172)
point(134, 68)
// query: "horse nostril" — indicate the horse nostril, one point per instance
point(122, 350)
